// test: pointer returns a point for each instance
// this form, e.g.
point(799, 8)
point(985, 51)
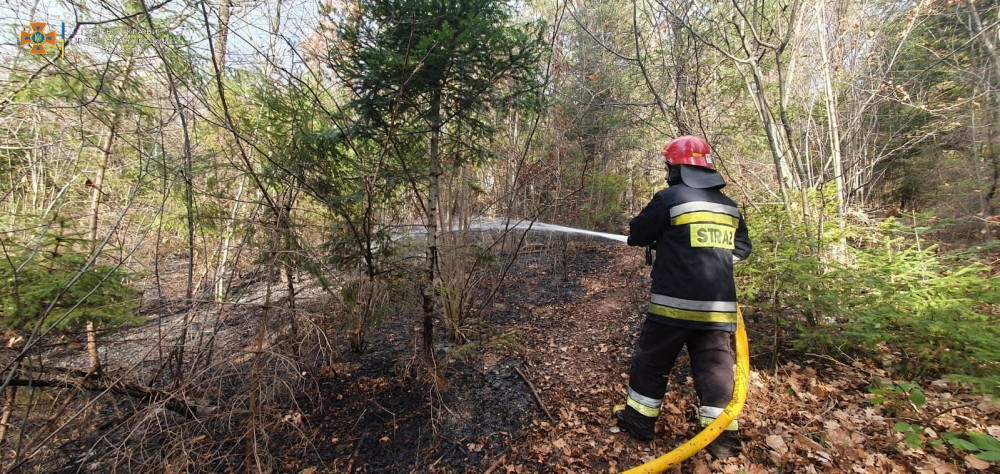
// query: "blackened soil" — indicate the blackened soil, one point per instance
point(388, 421)
point(575, 306)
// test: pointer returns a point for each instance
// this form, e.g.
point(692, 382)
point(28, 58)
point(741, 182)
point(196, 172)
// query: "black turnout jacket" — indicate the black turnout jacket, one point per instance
point(698, 235)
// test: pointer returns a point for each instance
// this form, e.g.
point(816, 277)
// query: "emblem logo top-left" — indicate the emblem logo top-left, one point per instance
point(37, 38)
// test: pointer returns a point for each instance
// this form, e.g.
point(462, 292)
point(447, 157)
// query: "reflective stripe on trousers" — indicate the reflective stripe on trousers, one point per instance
point(706, 415)
point(646, 406)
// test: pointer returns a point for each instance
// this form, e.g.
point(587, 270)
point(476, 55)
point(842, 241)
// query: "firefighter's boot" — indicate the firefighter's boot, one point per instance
point(727, 444)
point(632, 422)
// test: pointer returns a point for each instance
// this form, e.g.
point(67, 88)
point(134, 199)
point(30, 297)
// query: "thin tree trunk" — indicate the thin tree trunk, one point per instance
point(786, 70)
point(833, 124)
point(189, 208)
point(639, 49)
point(220, 285)
point(96, 193)
point(178, 366)
point(976, 30)
point(95, 212)
point(9, 404)
point(220, 58)
point(430, 280)
point(223, 34)
point(995, 162)
point(775, 137)
point(985, 39)
point(253, 448)
point(839, 251)
point(287, 235)
point(464, 210)
point(978, 172)
point(682, 70)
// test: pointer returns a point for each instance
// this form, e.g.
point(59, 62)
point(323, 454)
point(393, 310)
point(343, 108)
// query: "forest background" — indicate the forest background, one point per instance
point(176, 169)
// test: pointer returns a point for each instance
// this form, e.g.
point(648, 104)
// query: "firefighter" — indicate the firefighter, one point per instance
point(697, 233)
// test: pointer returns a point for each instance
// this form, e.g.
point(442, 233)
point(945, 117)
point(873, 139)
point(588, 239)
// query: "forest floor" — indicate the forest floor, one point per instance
point(531, 392)
point(535, 393)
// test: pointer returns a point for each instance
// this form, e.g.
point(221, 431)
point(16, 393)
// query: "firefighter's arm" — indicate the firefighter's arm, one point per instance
point(646, 227)
point(742, 242)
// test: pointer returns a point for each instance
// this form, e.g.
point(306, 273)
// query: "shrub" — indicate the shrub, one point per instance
point(51, 284)
point(929, 317)
point(919, 310)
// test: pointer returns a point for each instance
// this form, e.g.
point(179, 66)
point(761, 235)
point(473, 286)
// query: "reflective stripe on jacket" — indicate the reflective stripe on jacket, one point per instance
point(696, 233)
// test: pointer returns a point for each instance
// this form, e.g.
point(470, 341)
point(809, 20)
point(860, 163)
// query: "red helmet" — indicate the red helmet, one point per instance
point(688, 150)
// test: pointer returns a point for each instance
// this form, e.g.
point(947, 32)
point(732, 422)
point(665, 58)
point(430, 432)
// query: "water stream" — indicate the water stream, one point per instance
point(495, 224)
point(489, 224)
point(544, 227)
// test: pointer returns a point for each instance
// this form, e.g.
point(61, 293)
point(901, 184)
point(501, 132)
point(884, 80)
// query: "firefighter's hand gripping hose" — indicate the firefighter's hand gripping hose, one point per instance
point(712, 431)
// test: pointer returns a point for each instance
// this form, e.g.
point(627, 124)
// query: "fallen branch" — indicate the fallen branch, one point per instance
point(496, 464)
point(99, 384)
point(535, 393)
point(947, 409)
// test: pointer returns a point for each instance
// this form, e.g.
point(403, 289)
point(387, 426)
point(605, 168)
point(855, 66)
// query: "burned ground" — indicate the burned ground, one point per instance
point(567, 326)
point(529, 390)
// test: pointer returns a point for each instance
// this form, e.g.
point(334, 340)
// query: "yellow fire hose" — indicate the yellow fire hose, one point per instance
point(712, 431)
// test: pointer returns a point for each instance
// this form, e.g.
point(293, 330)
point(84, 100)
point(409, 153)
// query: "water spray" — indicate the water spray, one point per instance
point(543, 227)
point(483, 224)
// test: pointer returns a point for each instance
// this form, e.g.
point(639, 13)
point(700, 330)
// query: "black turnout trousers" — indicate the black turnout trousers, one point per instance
point(712, 361)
